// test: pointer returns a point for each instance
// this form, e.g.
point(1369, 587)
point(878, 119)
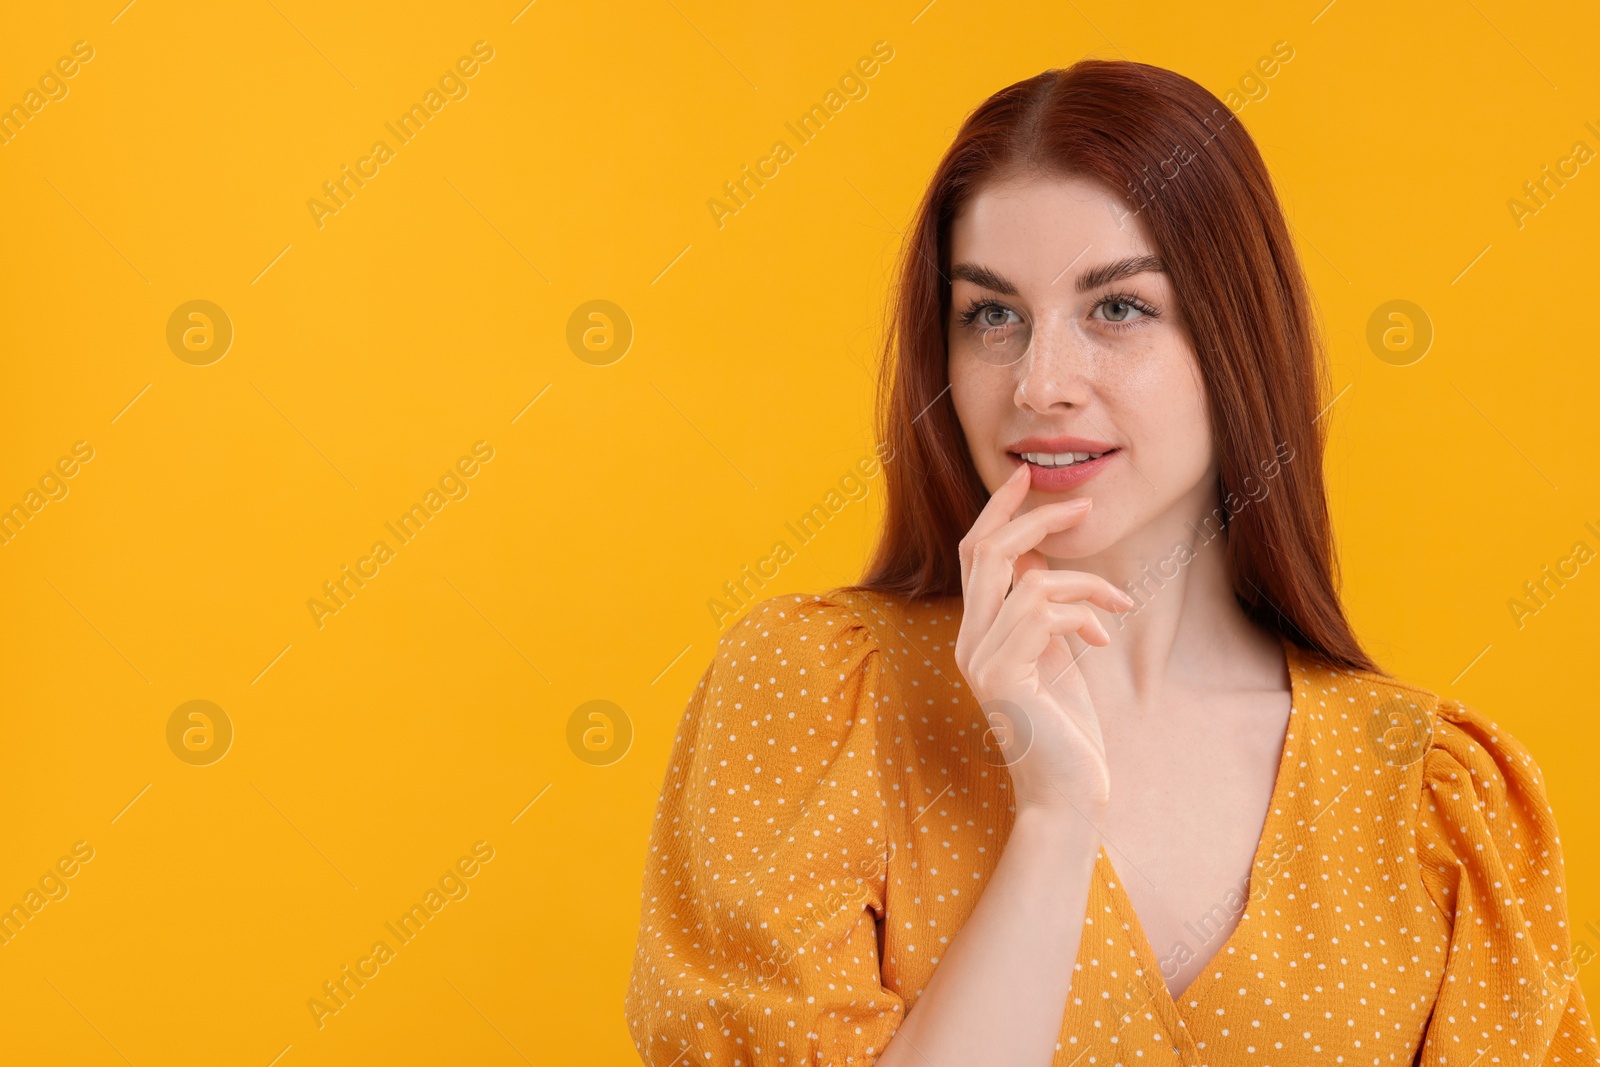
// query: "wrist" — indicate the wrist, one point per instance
point(1074, 827)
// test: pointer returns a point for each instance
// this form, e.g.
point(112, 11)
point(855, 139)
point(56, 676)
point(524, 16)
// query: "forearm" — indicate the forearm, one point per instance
point(999, 994)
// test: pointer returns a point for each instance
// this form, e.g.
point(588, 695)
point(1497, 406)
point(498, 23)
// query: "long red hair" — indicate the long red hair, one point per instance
point(1183, 162)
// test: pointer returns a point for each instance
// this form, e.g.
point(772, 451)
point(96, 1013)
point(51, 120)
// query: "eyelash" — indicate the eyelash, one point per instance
point(965, 317)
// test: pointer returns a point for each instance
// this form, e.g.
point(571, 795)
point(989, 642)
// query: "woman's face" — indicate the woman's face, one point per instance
point(1064, 337)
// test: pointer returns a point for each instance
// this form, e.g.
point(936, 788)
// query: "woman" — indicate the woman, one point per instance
point(1090, 768)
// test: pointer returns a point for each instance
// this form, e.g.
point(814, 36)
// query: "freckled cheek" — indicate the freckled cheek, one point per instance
point(980, 399)
point(1149, 390)
point(1159, 402)
point(982, 403)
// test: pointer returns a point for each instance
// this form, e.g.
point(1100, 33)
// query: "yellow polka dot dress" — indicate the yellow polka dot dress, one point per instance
point(832, 810)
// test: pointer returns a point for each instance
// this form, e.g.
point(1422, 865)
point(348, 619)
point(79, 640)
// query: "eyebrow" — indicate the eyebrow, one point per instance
point(1092, 278)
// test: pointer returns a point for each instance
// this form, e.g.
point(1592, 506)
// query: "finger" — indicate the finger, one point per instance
point(1031, 560)
point(1013, 665)
point(1066, 684)
point(1058, 668)
point(993, 558)
point(1002, 505)
point(1038, 588)
point(1042, 583)
point(1022, 534)
point(1010, 658)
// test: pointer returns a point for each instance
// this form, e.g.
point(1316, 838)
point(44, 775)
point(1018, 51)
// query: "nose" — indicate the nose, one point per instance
point(1055, 370)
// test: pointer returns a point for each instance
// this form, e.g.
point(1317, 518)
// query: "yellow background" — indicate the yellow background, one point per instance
point(428, 313)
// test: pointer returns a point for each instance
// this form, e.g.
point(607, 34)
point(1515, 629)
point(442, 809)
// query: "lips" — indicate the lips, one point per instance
point(1047, 475)
point(1059, 444)
point(1060, 459)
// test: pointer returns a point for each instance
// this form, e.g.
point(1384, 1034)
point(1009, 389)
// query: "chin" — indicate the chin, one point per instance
point(1076, 543)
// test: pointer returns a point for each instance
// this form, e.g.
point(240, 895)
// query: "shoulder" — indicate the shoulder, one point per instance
point(797, 617)
point(1471, 779)
point(803, 669)
point(813, 652)
point(1396, 722)
point(1475, 756)
point(792, 636)
point(785, 725)
point(1460, 753)
point(1410, 726)
point(848, 624)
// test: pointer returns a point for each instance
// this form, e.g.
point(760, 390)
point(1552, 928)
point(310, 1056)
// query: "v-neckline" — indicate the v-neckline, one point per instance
point(1162, 1001)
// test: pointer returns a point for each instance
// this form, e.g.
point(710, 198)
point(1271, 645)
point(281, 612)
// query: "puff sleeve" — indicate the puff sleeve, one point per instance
point(766, 868)
point(1491, 862)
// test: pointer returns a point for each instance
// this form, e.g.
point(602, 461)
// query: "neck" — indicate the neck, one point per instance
point(1186, 629)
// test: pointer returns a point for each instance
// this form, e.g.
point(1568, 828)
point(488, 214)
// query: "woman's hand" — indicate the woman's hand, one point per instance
point(1013, 651)
point(1001, 987)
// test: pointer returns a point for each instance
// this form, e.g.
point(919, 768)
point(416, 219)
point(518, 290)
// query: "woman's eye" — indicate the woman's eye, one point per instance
point(986, 315)
point(1119, 310)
